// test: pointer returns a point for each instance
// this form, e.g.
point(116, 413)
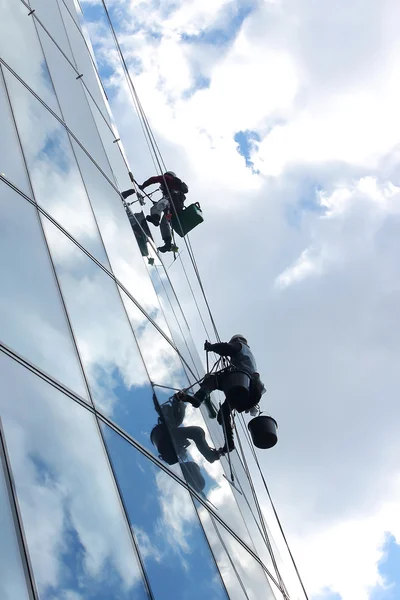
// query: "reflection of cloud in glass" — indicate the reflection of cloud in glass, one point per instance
point(32, 319)
point(177, 559)
point(20, 48)
point(249, 571)
point(77, 537)
point(12, 577)
point(55, 178)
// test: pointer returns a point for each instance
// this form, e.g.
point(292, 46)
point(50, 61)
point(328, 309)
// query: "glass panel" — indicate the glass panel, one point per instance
point(81, 48)
point(175, 319)
point(20, 49)
point(72, 99)
point(55, 177)
point(48, 13)
point(32, 319)
point(119, 239)
point(186, 425)
point(11, 162)
point(72, 8)
point(114, 368)
point(249, 573)
point(78, 539)
point(173, 546)
point(12, 577)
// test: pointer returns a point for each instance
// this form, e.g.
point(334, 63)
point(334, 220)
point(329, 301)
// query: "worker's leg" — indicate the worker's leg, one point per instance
point(198, 436)
point(225, 420)
point(156, 211)
point(165, 234)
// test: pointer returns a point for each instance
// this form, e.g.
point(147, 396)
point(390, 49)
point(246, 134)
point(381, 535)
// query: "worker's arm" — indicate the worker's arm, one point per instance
point(152, 181)
point(157, 179)
point(224, 348)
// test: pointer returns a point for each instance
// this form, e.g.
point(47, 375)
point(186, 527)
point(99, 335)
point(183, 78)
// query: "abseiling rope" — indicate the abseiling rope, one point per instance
point(157, 157)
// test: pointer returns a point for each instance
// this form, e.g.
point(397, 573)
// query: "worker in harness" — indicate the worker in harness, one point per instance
point(242, 397)
point(173, 191)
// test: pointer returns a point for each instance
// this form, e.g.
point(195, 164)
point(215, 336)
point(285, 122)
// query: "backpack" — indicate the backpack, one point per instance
point(178, 193)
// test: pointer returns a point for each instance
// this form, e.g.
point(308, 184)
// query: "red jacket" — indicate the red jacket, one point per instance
point(172, 182)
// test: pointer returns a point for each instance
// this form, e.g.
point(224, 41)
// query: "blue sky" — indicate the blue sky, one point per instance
point(389, 568)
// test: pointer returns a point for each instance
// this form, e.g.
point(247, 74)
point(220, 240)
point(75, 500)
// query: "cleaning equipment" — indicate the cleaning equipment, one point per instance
point(236, 386)
point(187, 219)
point(263, 431)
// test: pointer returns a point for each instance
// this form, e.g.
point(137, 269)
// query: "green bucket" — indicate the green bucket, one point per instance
point(189, 218)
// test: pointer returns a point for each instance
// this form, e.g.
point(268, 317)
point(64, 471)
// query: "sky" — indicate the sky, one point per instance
point(282, 117)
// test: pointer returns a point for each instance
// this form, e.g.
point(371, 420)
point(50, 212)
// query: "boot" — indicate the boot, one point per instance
point(127, 193)
point(167, 246)
point(154, 219)
point(212, 413)
point(183, 397)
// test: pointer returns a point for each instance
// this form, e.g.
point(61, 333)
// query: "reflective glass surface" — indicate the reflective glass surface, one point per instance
point(79, 542)
point(73, 102)
point(11, 162)
point(81, 48)
point(120, 242)
point(56, 181)
point(73, 8)
point(175, 318)
point(246, 571)
point(12, 576)
point(114, 369)
point(173, 546)
point(32, 319)
point(48, 13)
point(20, 49)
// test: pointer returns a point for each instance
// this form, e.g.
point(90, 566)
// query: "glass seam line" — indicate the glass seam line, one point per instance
point(179, 325)
point(101, 86)
point(158, 159)
point(89, 255)
point(17, 519)
point(62, 229)
point(104, 149)
point(114, 134)
point(43, 103)
point(275, 511)
point(124, 509)
point(41, 228)
point(61, 389)
point(36, 18)
point(267, 541)
point(117, 429)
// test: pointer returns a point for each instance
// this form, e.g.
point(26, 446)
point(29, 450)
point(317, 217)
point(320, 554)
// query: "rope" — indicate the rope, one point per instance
point(155, 151)
point(250, 442)
point(262, 520)
point(159, 160)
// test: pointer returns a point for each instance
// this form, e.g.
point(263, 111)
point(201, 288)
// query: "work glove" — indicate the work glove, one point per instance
point(207, 346)
point(127, 193)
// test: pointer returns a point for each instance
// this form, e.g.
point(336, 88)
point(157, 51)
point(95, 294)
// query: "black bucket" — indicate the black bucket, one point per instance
point(161, 438)
point(236, 386)
point(193, 476)
point(263, 431)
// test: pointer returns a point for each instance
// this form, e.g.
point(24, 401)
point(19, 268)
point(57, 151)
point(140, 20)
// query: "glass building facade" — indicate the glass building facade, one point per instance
point(93, 341)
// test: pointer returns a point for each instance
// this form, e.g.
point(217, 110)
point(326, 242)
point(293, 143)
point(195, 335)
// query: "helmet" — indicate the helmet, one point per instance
point(238, 338)
point(170, 173)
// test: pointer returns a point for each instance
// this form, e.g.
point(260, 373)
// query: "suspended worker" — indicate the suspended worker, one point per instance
point(242, 396)
point(173, 192)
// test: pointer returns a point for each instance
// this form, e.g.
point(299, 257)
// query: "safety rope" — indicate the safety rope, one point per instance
point(157, 157)
point(251, 444)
